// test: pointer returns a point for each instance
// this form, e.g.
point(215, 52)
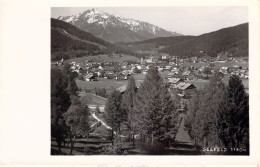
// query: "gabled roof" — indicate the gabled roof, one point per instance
point(89, 76)
point(184, 86)
point(175, 80)
point(109, 72)
point(186, 73)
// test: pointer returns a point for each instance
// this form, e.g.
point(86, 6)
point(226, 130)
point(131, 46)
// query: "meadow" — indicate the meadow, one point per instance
point(104, 57)
point(108, 84)
point(111, 84)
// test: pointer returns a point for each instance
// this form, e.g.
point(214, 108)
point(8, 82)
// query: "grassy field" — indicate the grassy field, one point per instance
point(92, 99)
point(108, 84)
point(201, 83)
point(104, 57)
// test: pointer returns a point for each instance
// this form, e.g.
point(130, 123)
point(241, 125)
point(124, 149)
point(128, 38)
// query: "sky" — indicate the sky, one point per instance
point(193, 20)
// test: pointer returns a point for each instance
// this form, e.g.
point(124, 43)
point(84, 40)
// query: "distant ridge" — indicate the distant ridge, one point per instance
point(232, 39)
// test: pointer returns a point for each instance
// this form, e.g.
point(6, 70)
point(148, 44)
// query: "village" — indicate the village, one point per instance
point(180, 74)
point(96, 79)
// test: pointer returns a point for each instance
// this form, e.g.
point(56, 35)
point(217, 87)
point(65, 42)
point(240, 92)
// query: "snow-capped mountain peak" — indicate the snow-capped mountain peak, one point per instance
point(104, 25)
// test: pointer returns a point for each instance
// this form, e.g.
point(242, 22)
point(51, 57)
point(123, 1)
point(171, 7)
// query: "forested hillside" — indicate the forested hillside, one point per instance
point(67, 41)
point(233, 40)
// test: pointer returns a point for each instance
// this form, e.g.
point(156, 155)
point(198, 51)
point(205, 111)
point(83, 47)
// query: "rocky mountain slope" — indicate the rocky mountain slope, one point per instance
point(115, 28)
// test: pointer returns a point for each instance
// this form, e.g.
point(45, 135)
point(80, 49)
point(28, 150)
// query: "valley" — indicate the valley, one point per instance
point(120, 86)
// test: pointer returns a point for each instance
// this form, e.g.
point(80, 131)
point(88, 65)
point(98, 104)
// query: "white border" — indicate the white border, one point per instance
point(25, 85)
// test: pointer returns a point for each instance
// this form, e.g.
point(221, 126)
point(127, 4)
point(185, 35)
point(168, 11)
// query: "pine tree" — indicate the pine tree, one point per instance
point(72, 88)
point(234, 115)
point(155, 110)
point(60, 102)
point(202, 119)
point(127, 105)
point(113, 114)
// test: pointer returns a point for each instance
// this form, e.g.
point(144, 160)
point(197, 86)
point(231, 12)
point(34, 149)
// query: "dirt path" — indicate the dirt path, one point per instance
point(182, 135)
point(183, 144)
point(103, 123)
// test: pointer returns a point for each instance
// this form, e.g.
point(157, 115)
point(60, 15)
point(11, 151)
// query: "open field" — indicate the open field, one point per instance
point(108, 84)
point(88, 98)
point(111, 84)
point(104, 57)
point(200, 84)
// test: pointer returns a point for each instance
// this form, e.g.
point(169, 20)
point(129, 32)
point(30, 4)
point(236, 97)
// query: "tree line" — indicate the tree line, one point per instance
point(218, 115)
point(69, 118)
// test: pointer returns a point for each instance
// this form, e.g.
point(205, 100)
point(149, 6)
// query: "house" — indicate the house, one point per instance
point(90, 77)
point(122, 89)
point(174, 82)
point(121, 76)
point(189, 75)
point(124, 63)
point(109, 74)
point(150, 60)
point(223, 56)
point(237, 67)
point(220, 74)
point(194, 60)
point(100, 67)
point(165, 56)
point(126, 72)
point(160, 68)
point(139, 67)
point(185, 74)
point(176, 75)
point(144, 72)
point(186, 88)
point(224, 68)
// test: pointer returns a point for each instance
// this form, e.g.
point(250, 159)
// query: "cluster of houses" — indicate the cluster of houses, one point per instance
point(119, 71)
point(90, 71)
point(235, 70)
point(178, 74)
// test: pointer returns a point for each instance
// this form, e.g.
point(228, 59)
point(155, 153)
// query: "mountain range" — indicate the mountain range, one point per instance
point(114, 28)
point(68, 41)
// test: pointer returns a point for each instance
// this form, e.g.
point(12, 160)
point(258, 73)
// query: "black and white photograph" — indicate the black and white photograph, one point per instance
point(170, 80)
point(133, 83)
